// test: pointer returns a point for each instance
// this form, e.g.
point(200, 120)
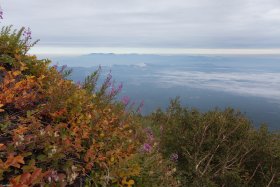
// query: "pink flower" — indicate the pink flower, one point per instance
point(62, 69)
point(120, 87)
point(27, 34)
point(115, 91)
point(108, 81)
point(150, 134)
point(140, 107)
point(79, 84)
point(174, 157)
point(125, 100)
point(55, 66)
point(147, 147)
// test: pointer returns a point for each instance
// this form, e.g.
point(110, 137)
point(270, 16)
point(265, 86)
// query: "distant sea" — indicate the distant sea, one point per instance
point(248, 83)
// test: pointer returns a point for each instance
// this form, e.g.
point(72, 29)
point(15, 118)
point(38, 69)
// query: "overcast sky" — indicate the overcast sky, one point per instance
point(148, 23)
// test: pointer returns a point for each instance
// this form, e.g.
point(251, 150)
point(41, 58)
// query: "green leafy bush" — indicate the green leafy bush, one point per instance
point(218, 148)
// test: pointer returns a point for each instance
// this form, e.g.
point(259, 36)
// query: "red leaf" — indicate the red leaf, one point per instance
point(25, 178)
point(35, 175)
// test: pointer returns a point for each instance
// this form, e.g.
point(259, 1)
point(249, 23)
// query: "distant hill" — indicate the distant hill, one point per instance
point(109, 59)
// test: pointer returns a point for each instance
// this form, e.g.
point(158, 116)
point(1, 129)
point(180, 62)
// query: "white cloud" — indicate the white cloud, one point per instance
point(146, 23)
point(261, 84)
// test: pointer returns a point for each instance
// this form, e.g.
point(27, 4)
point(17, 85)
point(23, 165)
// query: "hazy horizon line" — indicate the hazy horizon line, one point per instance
point(75, 51)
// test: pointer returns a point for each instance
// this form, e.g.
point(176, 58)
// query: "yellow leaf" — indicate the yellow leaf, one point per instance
point(124, 180)
point(16, 73)
point(112, 159)
point(23, 66)
point(130, 182)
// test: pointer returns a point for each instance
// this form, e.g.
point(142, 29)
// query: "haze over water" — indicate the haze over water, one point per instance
point(237, 42)
point(249, 83)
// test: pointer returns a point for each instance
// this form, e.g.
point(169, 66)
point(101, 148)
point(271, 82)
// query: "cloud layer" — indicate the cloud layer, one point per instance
point(146, 23)
point(261, 84)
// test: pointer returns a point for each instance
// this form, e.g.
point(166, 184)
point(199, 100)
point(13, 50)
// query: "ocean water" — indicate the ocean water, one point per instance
point(250, 84)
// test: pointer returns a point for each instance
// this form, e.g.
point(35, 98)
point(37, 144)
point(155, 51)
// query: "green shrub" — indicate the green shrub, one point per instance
point(218, 148)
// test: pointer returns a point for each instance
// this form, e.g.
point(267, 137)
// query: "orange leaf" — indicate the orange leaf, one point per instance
point(102, 158)
point(14, 161)
point(25, 178)
point(35, 175)
point(1, 110)
point(2, 147)
point(20, 130)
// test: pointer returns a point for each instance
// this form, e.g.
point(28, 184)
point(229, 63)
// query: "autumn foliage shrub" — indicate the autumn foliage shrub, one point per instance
point(55, 132)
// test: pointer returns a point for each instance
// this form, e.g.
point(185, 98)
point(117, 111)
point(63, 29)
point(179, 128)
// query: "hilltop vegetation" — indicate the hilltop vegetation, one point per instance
point(54, 132)
point(218, 148)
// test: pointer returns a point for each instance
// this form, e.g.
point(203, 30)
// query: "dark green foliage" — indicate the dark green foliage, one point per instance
point(13, 49)
point(91, 81)
point(218, 148)
point(12, 43)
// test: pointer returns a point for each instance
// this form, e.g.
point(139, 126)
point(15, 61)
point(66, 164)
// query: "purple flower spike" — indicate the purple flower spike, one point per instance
point(120, 87)
point(108, 81)
point(113, 90)
point(147, 147)
point(125, 100)
point(174, 157)
point(140, 107)
point(27, 34)
point(55, 66)
point(62, 69)
point(150, 134)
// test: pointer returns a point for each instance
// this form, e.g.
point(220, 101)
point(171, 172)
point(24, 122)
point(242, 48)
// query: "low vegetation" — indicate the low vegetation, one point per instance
point(54, 132)
point(218, 148)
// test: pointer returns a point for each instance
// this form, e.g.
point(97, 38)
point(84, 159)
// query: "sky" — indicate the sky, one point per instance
point(118, 25)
